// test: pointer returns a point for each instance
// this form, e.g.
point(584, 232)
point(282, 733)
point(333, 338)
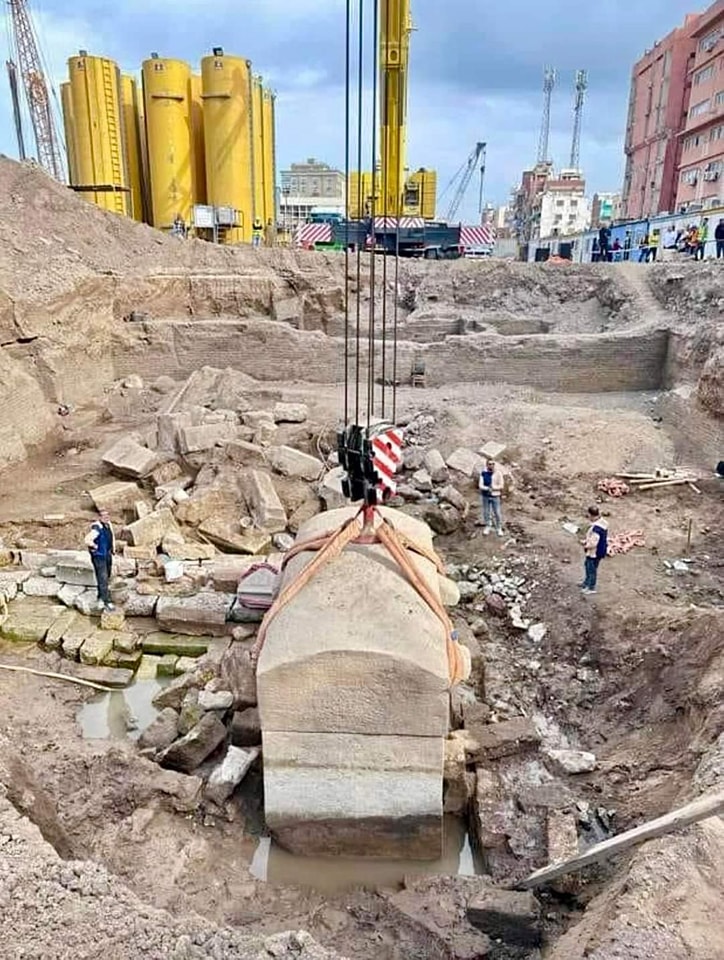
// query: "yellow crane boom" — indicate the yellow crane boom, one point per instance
point(395, 29)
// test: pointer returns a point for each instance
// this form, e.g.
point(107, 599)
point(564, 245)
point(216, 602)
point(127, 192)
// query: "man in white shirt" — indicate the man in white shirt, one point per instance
point(668, 243)
point(492, 483)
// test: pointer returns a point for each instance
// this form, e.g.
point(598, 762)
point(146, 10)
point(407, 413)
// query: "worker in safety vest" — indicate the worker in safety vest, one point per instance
point(257, 232)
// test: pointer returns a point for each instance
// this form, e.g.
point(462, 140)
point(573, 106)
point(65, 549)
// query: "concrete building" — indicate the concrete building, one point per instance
point(524, 202)
point(658, 103)
point(700, 180)
point(605, 208)
point(562, 206)
point(310, 185)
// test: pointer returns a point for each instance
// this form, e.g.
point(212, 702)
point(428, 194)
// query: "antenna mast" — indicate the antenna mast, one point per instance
point(549, 81)
point(581, 87)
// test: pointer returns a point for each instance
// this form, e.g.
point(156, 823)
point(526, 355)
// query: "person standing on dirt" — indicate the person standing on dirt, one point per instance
point(669, 243)
point(595, 546)
point(101, 544)
point(719, 237)
point(604, 242)
point(492, 483)
point(702, 239)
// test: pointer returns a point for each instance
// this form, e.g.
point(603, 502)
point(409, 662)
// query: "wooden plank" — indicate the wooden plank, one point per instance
point(708, 806)
point(694, 487)
point(663, 483)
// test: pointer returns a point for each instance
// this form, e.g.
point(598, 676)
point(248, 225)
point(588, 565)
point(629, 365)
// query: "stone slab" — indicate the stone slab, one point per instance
point(203, 614)
point(76, 569)
point(206, 436)
point(129, 459)
point(65, 621)
point(293, 463)
point(192, 749)
point(140, 605)
point(263, 501)
point(11, 581)
point(116, 497)
point(505, 739)
point(229, 535)
point(290, 412)
point(150, 531)
point(163, 644)
point(466, 462)
point(29, 620)
point(87, 603)
point(228, 774)
point(211, 501)
point(436, 466)
point(96, 648)
point(40, 587)
point(492, 450)
point(68, 593)
point(107, 676)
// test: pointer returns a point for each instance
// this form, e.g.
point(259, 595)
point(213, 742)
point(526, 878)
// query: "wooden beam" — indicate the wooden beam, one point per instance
point(708, 806)
point(662, 483)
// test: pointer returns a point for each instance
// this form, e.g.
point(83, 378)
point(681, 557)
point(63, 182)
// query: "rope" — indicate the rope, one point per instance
point(397, 544)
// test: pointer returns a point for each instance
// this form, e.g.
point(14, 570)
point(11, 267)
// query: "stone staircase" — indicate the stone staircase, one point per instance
point(634, 278)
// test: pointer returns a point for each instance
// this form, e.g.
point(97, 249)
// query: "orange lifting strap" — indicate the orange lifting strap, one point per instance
point(361, 528)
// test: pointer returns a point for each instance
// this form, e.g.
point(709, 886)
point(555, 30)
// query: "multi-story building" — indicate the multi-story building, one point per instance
point(605, 208)
point(658, 103)
point(701, 169)
point(308, 186)
point(562, 207)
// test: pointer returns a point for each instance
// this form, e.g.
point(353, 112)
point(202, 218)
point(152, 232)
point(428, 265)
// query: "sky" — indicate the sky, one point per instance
point(475, 73)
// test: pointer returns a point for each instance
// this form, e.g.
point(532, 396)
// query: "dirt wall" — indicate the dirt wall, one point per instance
point(274, 351)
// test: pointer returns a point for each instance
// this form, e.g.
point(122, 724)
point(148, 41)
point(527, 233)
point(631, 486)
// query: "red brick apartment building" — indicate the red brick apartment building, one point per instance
point(657, 111)
point(700, 180)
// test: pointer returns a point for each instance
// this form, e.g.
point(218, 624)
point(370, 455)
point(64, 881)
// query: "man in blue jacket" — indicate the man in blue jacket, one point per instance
point(101, 544)
point(595, 547)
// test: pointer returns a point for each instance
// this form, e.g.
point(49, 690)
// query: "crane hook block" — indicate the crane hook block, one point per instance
point(370, 456)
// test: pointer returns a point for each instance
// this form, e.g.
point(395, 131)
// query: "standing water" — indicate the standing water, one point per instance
point(121, 713)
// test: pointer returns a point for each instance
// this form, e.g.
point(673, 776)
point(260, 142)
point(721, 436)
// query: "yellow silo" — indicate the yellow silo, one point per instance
point(197, 138)
point(66, 100)
point(257, 112)
point(168, 136)
point(228, 130)
point(132, 139)
point(270, 155)
point(95, 104)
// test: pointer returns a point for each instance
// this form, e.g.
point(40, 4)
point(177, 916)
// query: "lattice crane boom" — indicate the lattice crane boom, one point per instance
point(37, 91)
point(463, 178)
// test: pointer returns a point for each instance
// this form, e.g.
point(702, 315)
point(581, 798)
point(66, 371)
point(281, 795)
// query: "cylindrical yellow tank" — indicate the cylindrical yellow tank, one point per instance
point(228, 129)
point(66, 100)
point(270, 155)
point(197, 137)
point(95, 95)
point(260, 209)
point(132, 138)
point(168, 132)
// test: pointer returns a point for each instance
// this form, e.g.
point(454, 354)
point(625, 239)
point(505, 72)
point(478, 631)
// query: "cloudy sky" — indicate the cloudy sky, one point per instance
point(475, 72)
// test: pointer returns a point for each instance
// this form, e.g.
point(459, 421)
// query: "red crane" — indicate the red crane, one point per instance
point(37, 91)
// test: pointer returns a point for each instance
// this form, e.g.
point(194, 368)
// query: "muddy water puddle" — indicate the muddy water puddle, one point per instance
point(276, 866)
point(121, 714)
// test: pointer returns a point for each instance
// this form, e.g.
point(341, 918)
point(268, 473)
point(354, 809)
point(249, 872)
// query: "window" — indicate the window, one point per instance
point(703, 75)
point(699, 108)
point(559, 203)
point(690, 176)
point(708, 42)
point(574, 203)
point(719, 98)
point(716, 133)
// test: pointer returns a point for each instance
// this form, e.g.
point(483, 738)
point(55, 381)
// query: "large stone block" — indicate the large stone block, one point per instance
point(76, 569)
point(290, 412)
point(207, 502)
point(30, 620)
point(204, 614)
point(354, 672)
point(293, 463)
point(436, 467)
point(129, 459)
point(107, 676)
point(96, 648)
point(173, 643)
point(206, 436)
point(115, 497)
point(65, 621)
point(11, 581)
point(466, 462)
point(230, 535)
point(200, 742)
point(227, 776)
point(263, 501)
point(151, 530)
point(41, 587)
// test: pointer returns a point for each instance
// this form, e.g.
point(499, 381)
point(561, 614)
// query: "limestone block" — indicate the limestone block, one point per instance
point(290, 412)
point(139, 553)
point(215, 699)
point(129, 459)
point(11, 582)
point(41, 587)
point(466, 462)
point(227, 776)
point(342, 794)
point(173, 643)
point(69, 592)
point(76, 569)
point(140, 605)
point(124, 642)
point(190, 551)
point(75, 636)
point(422, 481)
point(65, 621)
point(112, 620)
point(207, 502)
point(505, 739)
point(30, 620)
point(115, 497)
point(166, 472)
point(263, 501)
point(161, 732)
point(244, 452)
point(230, 535)
point(330, 489)
point(206, 436)
point(293, 463)
point(204, 614)
point(107, 676)
point(492, 449)
point(150, 530)
point(200, 742)
point(436, 467)
point(96, 648)
point(226, 572)
point(254, 418)
point(87, 602)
